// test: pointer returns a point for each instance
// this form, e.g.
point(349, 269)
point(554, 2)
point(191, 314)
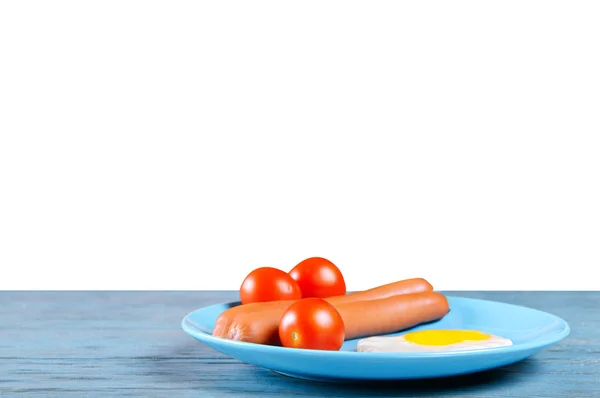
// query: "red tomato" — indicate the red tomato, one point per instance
point(319, 277)
point(269, 284)
point(312, 323)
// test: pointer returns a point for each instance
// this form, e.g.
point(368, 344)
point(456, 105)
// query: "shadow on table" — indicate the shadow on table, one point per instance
point(424, 387)
point(192, 369)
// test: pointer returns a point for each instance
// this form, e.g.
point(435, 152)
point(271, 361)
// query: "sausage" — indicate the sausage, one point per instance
point(407, 286)
point(414, 285)
point(389, 315)
point(361, 318)
point(277, 308)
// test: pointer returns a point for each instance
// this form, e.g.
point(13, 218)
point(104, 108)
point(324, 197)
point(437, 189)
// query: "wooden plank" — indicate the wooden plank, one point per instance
point(131, 344)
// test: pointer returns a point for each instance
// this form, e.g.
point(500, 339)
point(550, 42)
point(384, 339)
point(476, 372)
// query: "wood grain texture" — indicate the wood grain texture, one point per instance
point(96, 344)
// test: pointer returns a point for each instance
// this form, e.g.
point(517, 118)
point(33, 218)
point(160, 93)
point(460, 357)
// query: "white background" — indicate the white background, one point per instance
point(180, 144)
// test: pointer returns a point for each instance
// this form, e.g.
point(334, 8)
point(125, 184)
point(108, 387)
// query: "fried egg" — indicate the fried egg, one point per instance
point(432, 341)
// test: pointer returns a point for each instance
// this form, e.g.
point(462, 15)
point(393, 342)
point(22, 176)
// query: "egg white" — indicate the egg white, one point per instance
point(399, 344)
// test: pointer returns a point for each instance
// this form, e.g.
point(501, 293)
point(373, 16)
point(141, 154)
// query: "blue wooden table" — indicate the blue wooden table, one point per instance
point(94, 344)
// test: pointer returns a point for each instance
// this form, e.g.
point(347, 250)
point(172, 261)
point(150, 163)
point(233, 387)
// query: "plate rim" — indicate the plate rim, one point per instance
point(196, 331)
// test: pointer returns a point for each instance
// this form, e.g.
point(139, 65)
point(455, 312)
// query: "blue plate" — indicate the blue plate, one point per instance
point(530, 331)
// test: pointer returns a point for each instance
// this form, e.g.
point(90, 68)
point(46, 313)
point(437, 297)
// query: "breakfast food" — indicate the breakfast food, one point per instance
point(361, 318)
point(309, 308)
point(271, 312)
point(432, 341)
point(319, 277)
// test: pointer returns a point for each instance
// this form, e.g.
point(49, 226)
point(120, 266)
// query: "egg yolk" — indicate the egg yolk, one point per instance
point(444, 337)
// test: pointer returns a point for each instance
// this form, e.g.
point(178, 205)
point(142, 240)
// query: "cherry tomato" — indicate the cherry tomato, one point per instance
point(269, 284)
point(313, 324)
point(319, 277)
